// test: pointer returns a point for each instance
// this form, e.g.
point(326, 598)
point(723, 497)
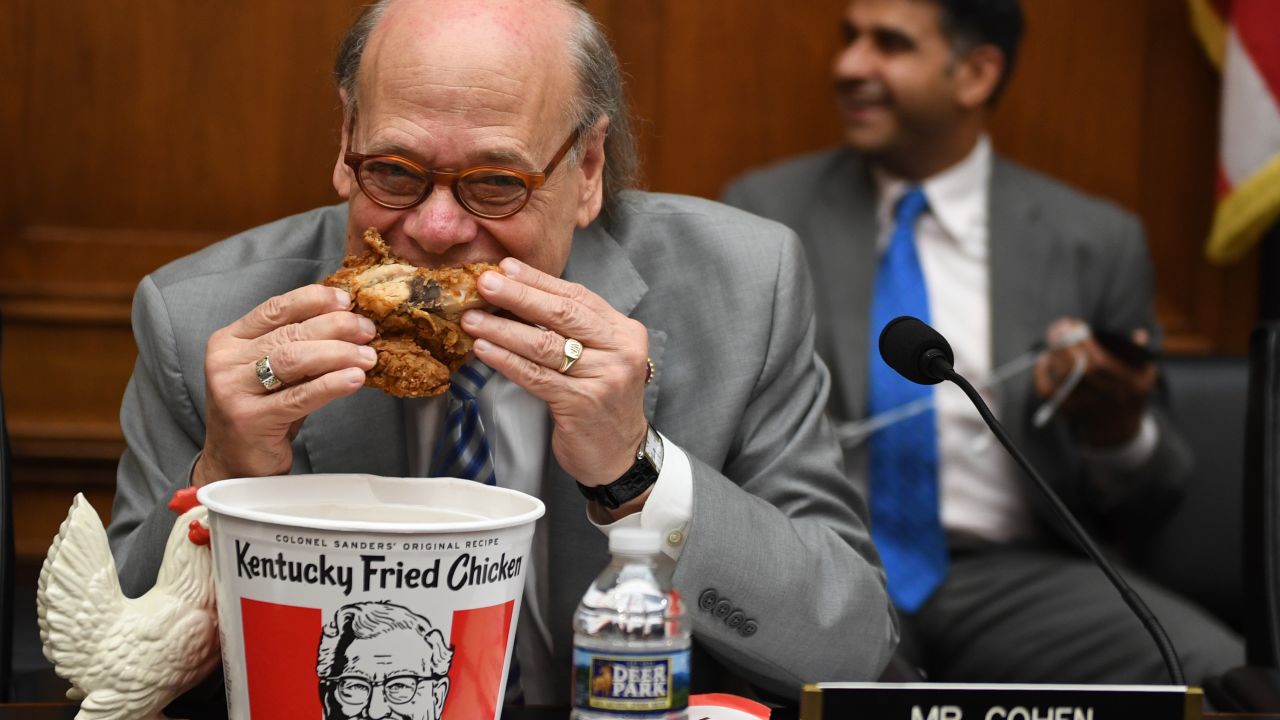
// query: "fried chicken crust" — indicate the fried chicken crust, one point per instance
point(415, 311)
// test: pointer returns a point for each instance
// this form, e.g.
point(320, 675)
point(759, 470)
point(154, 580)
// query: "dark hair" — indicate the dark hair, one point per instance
point(600, 93)
point(970, 23)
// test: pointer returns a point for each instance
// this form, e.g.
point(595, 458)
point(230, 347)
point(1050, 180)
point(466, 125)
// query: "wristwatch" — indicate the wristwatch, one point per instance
point(643, 474)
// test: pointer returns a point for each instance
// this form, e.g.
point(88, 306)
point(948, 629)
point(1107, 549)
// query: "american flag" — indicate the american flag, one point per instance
point(1242, 37)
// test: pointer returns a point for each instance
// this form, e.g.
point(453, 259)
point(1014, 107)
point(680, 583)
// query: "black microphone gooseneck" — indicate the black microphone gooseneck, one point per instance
point(920, 354)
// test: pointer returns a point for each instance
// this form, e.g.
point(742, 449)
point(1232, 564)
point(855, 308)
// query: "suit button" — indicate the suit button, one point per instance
point(735, 619)
point(748, 628)
point(722, 609)
point(707, 599)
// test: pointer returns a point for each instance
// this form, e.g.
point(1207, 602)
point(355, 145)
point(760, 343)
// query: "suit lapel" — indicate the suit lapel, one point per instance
point(1020, 251)
point(1025, 290)
point(842, 228)
point(599, 263)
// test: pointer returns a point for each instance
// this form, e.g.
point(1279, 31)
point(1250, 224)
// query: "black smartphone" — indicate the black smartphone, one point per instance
point(1124, 348)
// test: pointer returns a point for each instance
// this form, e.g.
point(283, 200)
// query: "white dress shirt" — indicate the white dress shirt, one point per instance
point(518, 429)
point(982, 492)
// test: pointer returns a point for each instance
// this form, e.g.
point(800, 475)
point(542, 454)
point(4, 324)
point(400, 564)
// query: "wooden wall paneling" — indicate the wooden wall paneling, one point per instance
point(636, 29)
point(1070, 109)
point(14, 55)
point(1205, 308)
point(190, 115)
point(145, 132)
point(740, 87)
point(1178, 168)
point(71, 332)
point(67, 398)
point(39, 507)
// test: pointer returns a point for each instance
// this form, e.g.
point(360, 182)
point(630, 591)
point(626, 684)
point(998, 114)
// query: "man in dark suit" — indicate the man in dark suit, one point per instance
point(918, 216)
point(496, 131)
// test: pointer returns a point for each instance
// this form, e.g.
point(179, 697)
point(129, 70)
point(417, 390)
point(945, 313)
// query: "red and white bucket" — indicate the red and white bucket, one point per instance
point(362, 596)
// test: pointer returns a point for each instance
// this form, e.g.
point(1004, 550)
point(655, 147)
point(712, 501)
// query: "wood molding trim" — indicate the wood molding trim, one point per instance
point(83, 311)
point(82, 439)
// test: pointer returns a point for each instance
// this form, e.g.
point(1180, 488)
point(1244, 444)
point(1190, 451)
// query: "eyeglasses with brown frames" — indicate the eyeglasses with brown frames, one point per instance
point(488, 191)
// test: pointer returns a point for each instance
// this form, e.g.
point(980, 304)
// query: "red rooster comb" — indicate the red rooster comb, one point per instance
point(183, 500)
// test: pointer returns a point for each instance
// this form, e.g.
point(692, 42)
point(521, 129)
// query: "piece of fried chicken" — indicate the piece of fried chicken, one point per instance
point(416, 312)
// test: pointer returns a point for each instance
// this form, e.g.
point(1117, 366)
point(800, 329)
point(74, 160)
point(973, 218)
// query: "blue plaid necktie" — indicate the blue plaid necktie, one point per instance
point(904, 455)
point(463, 452)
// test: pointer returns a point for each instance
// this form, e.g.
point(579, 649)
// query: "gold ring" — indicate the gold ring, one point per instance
point(265, 375)
point(572, 351)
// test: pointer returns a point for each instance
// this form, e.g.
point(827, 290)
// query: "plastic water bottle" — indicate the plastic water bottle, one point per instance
point(631, 637)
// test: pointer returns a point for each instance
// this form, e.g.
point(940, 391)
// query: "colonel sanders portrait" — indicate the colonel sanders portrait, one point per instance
point(379, 660)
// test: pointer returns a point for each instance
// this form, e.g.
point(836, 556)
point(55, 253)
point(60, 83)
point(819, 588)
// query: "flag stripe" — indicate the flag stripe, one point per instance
point(1257, 22)
point(1250, 116)
point(1221, 186)
point(1241, 38)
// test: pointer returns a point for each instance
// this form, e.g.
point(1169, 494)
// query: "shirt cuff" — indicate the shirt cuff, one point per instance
point(1130, 455)
point(668, 508)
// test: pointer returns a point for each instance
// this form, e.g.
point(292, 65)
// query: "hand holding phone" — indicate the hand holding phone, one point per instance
point(1123, 348)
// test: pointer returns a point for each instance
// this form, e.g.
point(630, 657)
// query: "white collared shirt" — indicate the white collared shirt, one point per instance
point(979, 489)
point(982, 492)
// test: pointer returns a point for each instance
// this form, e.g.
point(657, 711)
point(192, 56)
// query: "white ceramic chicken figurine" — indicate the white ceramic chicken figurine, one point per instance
point(127, 659)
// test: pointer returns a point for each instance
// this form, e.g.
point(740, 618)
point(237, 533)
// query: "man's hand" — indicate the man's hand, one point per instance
point(1106, 408)
point(317, 349)
point(597, 406)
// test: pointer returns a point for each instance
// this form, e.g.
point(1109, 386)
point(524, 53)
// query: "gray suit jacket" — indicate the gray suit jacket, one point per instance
point(1054, 252)
point(778, 571)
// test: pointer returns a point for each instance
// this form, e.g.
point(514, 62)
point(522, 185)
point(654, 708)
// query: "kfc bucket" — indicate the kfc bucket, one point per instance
point(344, 596)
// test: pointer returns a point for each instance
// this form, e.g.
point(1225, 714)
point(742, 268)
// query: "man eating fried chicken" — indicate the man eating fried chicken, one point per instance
point(618, 323)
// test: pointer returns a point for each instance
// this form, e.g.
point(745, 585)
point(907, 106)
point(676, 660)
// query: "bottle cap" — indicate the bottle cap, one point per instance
point(635, 541)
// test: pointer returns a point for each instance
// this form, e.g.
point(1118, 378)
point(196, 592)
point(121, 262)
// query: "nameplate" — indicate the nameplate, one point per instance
point(947, 701)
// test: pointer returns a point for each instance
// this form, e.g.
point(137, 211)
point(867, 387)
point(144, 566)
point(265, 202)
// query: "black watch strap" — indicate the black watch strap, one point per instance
point(642, 474)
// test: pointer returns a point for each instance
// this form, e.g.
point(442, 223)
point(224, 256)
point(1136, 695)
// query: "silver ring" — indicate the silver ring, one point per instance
point(572, 351)
point(265, 376)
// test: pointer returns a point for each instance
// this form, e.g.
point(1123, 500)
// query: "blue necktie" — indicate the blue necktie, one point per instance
point(463, 452)
point(904, 455)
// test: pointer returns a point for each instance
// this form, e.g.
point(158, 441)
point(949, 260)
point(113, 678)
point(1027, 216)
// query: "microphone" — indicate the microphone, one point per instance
point(920, 354)
point(915, 351)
